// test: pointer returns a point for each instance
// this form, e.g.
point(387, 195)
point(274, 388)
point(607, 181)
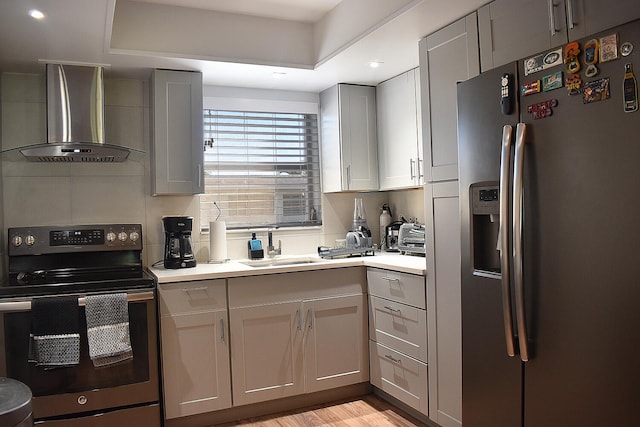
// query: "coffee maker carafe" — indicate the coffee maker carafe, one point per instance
point(178, 251)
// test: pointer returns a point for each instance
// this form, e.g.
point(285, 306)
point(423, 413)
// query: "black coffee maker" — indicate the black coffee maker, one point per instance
point(178, 250)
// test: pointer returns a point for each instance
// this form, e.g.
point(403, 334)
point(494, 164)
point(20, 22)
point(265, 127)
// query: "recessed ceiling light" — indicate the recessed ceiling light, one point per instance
point(277, 75)
point(375, 64)
point(36, 14)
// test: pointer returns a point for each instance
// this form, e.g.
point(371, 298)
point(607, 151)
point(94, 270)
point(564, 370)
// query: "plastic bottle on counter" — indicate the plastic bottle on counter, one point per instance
point(385, 219)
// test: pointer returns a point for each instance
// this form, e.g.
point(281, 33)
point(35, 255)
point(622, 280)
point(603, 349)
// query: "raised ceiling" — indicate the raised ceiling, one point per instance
point(312, 44)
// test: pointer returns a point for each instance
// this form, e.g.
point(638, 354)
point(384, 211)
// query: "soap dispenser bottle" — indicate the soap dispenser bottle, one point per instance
point(255, 247)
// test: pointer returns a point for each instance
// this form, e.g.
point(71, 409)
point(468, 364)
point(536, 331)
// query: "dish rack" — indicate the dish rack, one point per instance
point(330, 253)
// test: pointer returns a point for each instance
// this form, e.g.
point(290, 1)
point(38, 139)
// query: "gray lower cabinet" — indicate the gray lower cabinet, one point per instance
point(194, 347)
point(514, 29)
point(442, 232)
point(177, 146)
point(398, 336)
point(297, 333)
point(447, 57)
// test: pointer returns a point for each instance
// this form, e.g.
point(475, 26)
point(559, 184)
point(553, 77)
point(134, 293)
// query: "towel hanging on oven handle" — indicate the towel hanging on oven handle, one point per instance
point(15, 306)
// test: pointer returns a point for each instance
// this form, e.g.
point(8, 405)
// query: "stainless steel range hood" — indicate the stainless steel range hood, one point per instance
point(75, 119)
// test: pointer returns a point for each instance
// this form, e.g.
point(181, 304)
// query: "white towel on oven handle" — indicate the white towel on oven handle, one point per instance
point(108, 328)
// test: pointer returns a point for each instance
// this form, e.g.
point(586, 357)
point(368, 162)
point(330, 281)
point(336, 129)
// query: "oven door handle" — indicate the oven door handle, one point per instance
point(25, 305)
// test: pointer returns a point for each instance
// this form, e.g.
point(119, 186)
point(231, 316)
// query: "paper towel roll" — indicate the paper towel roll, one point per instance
point(218, 241)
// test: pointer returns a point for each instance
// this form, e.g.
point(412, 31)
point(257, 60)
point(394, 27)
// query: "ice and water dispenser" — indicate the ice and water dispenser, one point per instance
point(485, 227)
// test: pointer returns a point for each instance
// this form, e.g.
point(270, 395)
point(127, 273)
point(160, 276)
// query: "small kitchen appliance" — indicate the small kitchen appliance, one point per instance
point(178, 250)
point(411, 238)
point(391, 236)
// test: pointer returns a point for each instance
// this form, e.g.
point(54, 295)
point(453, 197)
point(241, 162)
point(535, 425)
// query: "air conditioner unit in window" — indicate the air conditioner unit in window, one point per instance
point(291, 207)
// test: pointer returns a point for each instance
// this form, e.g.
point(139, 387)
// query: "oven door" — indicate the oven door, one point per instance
point(83, 390)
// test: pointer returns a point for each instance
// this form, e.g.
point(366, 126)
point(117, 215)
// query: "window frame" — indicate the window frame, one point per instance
point(303, 107)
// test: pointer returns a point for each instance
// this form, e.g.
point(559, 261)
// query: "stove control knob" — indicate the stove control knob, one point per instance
point(30, 240)
point(16, 241)
point(134, 236)
point(111, 236)
point(122, 236)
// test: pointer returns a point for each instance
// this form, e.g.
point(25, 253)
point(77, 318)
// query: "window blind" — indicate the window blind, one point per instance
point(262, 169)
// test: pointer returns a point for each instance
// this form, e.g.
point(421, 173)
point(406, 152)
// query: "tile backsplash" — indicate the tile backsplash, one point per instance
point(85, 193)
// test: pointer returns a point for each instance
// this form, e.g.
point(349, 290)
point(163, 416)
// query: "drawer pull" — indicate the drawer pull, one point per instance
point(393, 359)
point(394, 310)
point(391, 279)
point(202, 288)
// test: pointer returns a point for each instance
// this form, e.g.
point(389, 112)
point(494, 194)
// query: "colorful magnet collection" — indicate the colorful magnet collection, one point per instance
point(543, 109)
point(593, 52)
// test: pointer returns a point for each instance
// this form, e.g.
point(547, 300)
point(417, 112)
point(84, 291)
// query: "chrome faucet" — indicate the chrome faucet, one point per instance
point(271, 250)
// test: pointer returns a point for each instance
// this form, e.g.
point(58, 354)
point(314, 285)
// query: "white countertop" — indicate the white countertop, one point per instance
point(235, 268)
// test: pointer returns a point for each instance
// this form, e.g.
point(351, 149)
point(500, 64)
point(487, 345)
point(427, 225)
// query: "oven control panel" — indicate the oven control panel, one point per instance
point(79, 238)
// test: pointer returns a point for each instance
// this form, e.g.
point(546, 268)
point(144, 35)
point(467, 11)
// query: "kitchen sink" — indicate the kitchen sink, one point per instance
point(281, 261)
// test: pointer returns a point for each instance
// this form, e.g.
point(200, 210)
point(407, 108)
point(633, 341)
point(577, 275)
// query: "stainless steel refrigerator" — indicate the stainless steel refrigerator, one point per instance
point(550, 210)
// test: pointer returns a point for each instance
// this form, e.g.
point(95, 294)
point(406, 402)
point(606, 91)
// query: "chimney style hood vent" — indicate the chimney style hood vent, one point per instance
point(75, 118)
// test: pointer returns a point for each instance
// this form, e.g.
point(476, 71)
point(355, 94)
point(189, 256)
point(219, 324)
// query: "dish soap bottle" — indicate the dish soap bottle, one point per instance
point(255, 247)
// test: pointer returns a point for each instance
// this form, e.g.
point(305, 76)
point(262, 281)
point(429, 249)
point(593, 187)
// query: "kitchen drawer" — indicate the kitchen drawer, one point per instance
point(399, 375)
point(192, 297)
point(399, 326)
point(400, 287)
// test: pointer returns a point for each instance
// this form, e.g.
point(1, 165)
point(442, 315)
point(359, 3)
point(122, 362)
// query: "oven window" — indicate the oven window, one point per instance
point(84, 376)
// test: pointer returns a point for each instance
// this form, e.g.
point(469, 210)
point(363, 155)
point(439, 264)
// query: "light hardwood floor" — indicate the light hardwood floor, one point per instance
point(367, 411)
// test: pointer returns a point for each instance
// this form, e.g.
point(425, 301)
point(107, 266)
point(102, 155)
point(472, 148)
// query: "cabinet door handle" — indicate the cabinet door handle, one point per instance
point(202, 288)
point(570, 19)
point(348, 177)
point(310, 318)
point(411, 163)
point(393, 359)
point(420, 173)
point(222, 330)
point(394, 310)
point(298, 320)
point(552, 17)
point(199, 176)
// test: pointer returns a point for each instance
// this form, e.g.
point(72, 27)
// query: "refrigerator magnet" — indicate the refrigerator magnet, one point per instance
point(573, 84)
point(609, 48)
point(542, 61)
point(596, 90)
point(591, 52)
point(530, 88)
point(571, 52)
point(552, 81)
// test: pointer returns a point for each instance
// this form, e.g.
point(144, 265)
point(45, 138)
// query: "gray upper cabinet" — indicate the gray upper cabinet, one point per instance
point(177, 149)
point(447, 57)
point(400, 159)
point(514, 29)
point(349, 141)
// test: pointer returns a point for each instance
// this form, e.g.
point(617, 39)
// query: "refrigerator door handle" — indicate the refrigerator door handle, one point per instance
point(518, 205)
point(503, 239)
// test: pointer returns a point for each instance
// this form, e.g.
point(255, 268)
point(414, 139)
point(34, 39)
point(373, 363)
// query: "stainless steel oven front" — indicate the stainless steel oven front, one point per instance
point(81, 395)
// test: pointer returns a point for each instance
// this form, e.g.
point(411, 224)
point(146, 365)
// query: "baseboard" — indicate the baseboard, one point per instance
point(404, 407)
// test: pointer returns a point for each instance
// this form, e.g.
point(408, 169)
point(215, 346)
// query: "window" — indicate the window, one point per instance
point(261, 169)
